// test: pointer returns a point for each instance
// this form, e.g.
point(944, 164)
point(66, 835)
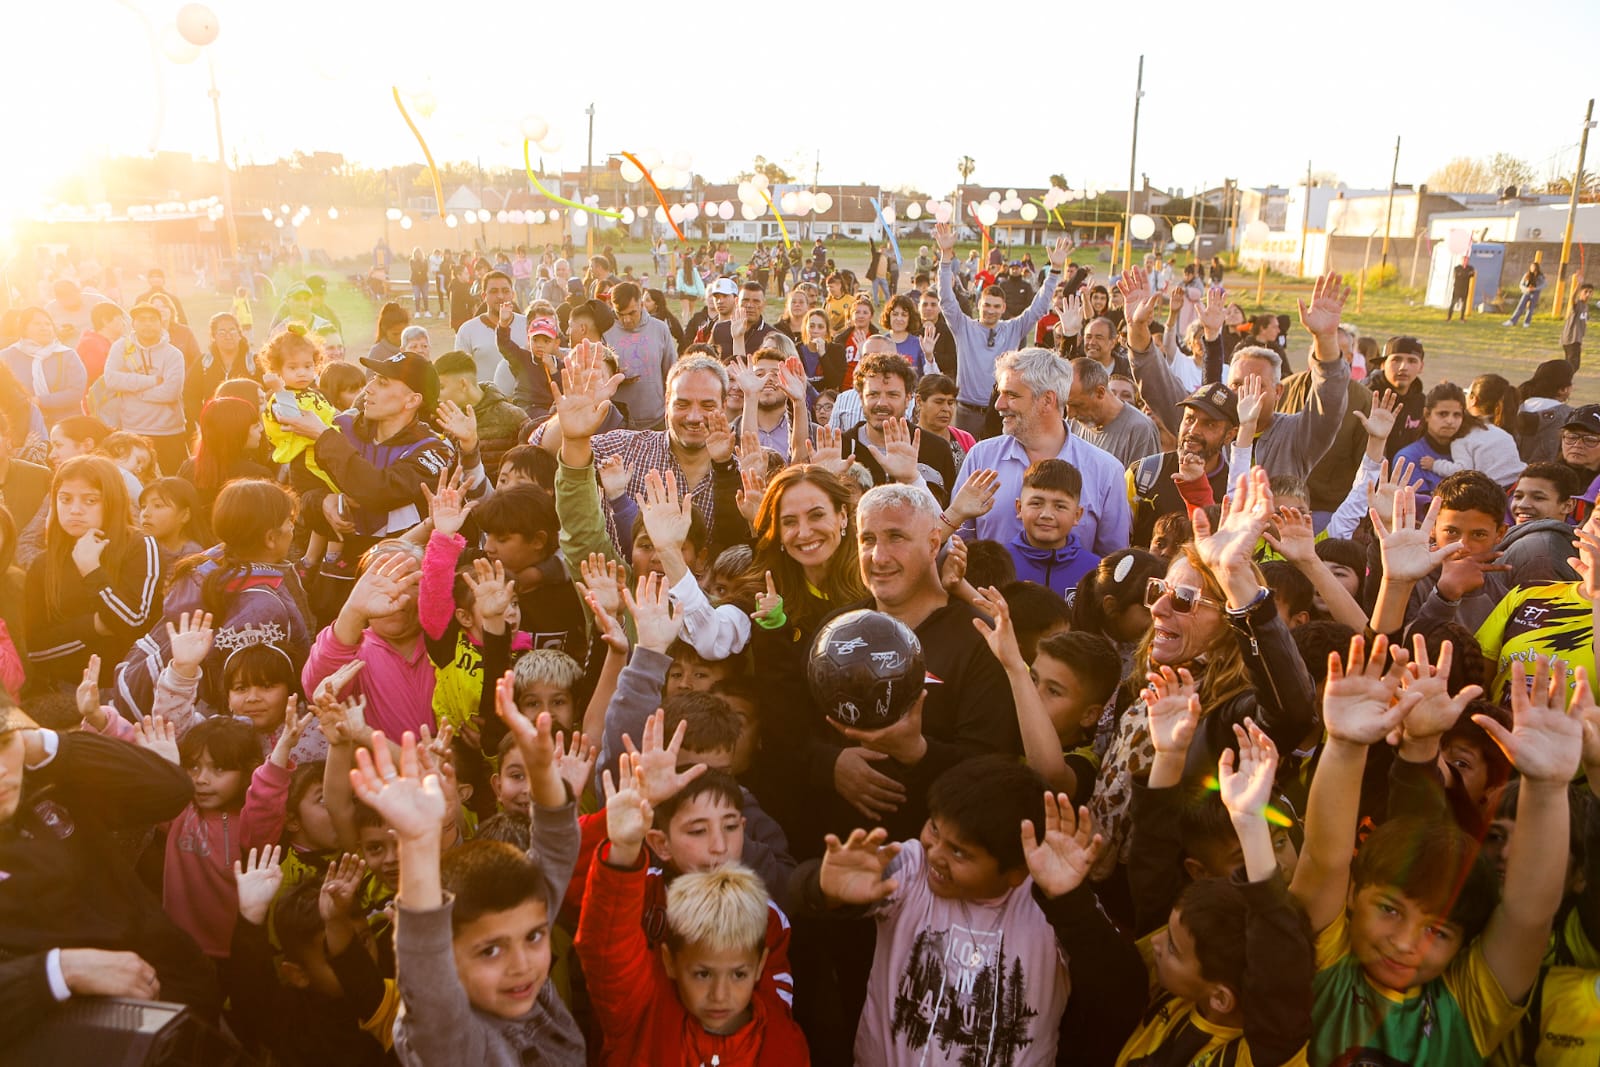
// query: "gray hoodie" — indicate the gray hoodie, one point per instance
point(1538, 552)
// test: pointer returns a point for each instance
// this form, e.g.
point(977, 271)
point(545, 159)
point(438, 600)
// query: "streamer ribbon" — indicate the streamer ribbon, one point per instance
point(787, 244)
point(527, 163)
point(888, 229)
point(433, 169)
point(631, 158)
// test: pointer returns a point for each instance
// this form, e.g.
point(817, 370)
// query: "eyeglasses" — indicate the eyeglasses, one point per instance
point(1586, 440)
point(1184, 597)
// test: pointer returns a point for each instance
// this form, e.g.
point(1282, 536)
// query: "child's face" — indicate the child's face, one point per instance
point(1537, 498)
point(513, 550)
point(79, 508)
point(705, 833)
point(1444, 420)
point(63, 448)
point(310, 824)
point(538, 697)
point(1178, 963)
point(299, 369)
point(161, 518)
point(1469, 764)
point(1165, 541)
point(380, 850)
point(1477, 532)
point(959, 869)
point(749, 736)
point(262, 704)
point(1047, 516)
point(214, 788)
point(503, 958)
point(345, 399)
point(510, 784)
point(1397, 942)
point(543, 347)
point(137, 462)
point(1062, 692)
point(694, 675)
point(823, 411)
point(510, 476)
point(715, 987)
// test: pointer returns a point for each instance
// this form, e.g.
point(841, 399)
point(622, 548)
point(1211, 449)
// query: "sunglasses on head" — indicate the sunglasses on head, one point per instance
point(1184, 597)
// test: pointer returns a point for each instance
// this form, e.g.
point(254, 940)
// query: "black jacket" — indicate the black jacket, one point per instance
point(1408, 427)
point(69, 885)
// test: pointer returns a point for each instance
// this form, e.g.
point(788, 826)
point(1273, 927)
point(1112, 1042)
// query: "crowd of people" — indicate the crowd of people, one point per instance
point(455, 707)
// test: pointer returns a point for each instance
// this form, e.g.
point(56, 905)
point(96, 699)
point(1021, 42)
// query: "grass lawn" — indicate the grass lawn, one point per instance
point(1457, 351)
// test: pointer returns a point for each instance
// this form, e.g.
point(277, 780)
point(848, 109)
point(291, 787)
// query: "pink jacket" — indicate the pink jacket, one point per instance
point(399, 689)
point(197, 888)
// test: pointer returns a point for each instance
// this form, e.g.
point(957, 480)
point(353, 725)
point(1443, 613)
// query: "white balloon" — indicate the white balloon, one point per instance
point(176, 48)
point(283, 209)
point(627, 216)
point(539, 218)
point(630, 172)
point(279, 224)
point(580, 218)
point(1011, 194)
point(425, 103)
point(405, 222)
point(661, 216)
point(790, 202)
point(551, 142)
point(750, 212)
point(942, 212)
point(913, 212)
point(650, 158)
point(725, 210)
point(534, 128)
point(888, 214)
point(988, 213)
point(393, 214)
point(451, 222)
point(691, 212)
point(502, 216)
point(1030, 212)
point(1256, 232)
point(994, 198)
point(519, 217)
point(678, 212)
point(333, 213)
point(198, 24)
point(1460, 242)
point(760, 181)
point(747, 192)
point(823, 203)
point(1183, 233)
point(266, 213)
point(1141, 227)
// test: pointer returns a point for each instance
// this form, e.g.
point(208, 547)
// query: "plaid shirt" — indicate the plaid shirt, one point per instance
point(644, 451)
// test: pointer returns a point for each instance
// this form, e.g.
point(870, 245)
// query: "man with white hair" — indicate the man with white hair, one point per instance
point(1034, 384)
point(966, 709)
point(554, 290)
point(1285, 444)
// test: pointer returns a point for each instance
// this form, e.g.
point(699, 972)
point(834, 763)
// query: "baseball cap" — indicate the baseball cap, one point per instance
point(412, 369)
point(724, 287)
point(1586, 418)
point(543, 326)
point(1216, 400)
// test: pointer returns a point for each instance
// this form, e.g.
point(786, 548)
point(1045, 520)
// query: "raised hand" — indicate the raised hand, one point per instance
point(616, 475)
point(929, 341)
point(1244, 519)
point(976, 496)
point(1583, 706)
point(1059, 251)
point(953, 571)
point(1251, 393)
point(605, 580)
point(576, 761)
point(655, 764)
point(944, 235)
point(157, 735)
point(1435, 711)
point(1328, 298)
point(654, 619)
point(768, 602)
point(293, 726)
point(87, 696)
point(611, 628)
point(855, 871)
point(492, 593)
point(828, 451)
point(742, 374)
point(460, 423)
point(628, 813)
point(536, 739)
point(448, 506)
point(1587, 561)
point(667, 516)
point(414, 806)
point(1405, 548)
point(340, 886)
point(1213, 312)
point(1247, 789)
point(584, 397)
point(1002, 635)
point(385, 587)
point(1069, 322)
point(257, 881)
point(1465, 575)
point(1381, 495)
point(1380, 420)
point(1172, 706)
point(1545, 742)
point(753, 486)
point(1140, 304)
point(1296, 539)
point(190, 641)
point(1063, 858)
point(901, 446)
point(1363, 706)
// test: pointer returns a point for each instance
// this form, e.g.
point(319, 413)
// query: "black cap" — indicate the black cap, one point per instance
point(1586, 418)
point(415, 371)
point(1216, 400)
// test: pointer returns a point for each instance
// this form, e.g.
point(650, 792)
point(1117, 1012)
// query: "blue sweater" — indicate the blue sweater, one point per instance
point(1057, 569)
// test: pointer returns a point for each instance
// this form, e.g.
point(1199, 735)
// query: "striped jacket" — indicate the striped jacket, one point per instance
point(123, 593)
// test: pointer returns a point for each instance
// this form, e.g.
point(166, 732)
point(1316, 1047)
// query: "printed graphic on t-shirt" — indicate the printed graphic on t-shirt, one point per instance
point(960, 990)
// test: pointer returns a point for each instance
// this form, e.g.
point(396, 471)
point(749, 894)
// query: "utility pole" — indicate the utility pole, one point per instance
point(1572, 209)
point(1305, 223)
point(588, 180)
point(1133, 156)
point(1388, 212)
point(816, 176)
point(483, 225)
point(227, 181)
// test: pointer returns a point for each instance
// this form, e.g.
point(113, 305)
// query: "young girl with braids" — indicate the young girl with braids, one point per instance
point(96, 586)
point(246, 584)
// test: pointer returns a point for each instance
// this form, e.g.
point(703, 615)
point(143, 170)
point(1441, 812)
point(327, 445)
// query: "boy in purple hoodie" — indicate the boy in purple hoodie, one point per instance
point(1046, 551)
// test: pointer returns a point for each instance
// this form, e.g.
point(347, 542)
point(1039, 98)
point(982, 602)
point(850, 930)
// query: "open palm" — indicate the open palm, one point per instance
point(1061, 861)
point(853, 871)
point(1360, 706)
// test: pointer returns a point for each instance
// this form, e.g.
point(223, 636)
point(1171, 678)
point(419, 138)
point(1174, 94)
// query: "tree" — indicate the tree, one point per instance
point(1058, 181)
point(774, 173)
point(1462, 174)
point(966, 165)
point(1506, 169)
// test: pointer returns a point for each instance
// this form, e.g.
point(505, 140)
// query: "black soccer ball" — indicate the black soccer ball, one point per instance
point(866, 669)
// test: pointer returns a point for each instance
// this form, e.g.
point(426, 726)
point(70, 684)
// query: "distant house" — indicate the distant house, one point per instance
point(851, 215)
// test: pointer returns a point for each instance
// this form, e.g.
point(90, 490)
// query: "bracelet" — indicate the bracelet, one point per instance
point(944, 517)
point(774, 619)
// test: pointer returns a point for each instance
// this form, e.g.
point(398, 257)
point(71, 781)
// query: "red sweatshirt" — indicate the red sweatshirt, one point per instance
point(637, 1005)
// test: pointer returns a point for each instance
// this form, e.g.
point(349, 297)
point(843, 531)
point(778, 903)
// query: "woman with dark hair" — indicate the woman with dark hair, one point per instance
point(655, 304)
point(392, 322)
point(48, 371)
point(1544, 410)
point(1532, 285)
point(178, 332)
point(1109, 600)
point(227, 356)
point(1494, 400)
point(901, 321)
point(228, 442)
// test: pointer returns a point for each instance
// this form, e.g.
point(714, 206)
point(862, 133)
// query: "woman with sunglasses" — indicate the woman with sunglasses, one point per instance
point(1211, 619)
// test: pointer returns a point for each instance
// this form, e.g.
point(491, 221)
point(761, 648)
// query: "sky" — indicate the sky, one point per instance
point(1251, 90)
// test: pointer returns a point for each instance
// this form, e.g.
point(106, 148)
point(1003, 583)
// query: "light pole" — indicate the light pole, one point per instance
point(1388, 212)
point(1133, 156)
point(1572, 208)
point(588, 179)
point(222, 162)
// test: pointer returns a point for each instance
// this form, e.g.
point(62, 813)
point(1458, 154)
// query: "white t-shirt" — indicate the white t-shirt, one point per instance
point(479, 339)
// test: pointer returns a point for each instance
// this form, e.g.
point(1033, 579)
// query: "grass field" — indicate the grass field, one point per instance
point(1457, 351)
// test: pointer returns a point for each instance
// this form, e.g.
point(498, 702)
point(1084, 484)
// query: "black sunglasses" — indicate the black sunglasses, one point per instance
point(1185, 598)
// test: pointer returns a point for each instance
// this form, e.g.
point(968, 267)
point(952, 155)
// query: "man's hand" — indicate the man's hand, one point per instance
point(1069, 321)
point(1380, 421)
point(872, 793)
point(1067, 853)
point(944, 235)
point(901, 446)
point(1465, 575)
point(1362, 707)
point(853, 872)
point(414, 806)
point(190, 642)
point(460, 423)
point(616, 475)
point(1058, 253)
point(303, 423)
point(93, 972)
point(828, 452)
point(448, 506)
point(336, 522)
point(1321, 316)
point(975, 497)
point(1545, 742)
point(257, 881)
point(654, 619)
point(901, 739)
point(1140, 305)
point(1405, 549)
point(156, 735)
point(953, 571)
